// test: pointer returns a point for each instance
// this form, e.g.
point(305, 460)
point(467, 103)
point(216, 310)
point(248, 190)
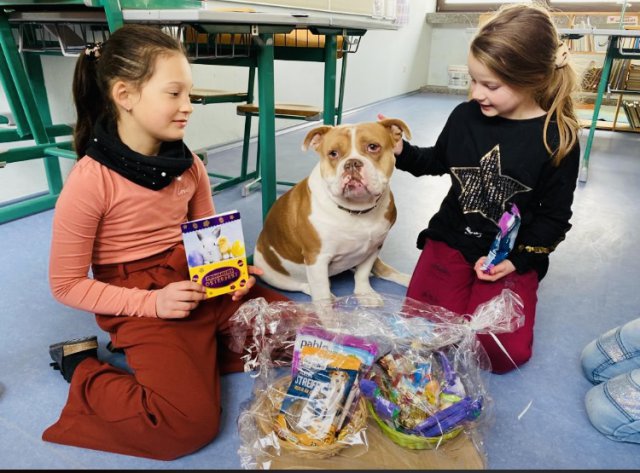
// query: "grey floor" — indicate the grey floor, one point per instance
point(592, 286)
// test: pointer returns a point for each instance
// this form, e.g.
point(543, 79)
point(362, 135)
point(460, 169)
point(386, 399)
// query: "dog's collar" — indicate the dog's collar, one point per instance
point(360, 212)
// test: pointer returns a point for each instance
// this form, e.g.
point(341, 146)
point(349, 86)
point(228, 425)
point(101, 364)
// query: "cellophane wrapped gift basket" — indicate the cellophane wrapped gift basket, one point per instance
point(366, 382)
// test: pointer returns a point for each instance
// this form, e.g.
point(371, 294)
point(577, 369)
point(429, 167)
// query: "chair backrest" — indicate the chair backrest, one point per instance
point(303, 38)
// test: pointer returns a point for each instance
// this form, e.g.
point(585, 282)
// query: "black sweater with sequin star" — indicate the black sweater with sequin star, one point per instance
point(493, 162)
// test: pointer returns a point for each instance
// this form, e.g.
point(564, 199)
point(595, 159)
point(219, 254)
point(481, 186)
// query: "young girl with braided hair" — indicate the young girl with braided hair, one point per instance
point(514, 142)
point(119, 214)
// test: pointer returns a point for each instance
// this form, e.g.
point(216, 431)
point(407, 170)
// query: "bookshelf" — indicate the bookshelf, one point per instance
point(623, 80)
point(618, 47)
point(623, 84)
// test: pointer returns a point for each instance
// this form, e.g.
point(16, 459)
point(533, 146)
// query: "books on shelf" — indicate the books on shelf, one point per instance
point(618, 75)
point(591, 77)
point(633, 77)
point(216, 252)
point(632, 110)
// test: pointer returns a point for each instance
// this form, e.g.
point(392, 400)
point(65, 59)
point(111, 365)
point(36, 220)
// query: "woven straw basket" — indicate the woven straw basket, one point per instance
point(268, 406)
point(412, 442)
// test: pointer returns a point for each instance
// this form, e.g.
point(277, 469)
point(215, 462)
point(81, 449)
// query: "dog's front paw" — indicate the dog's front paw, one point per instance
point(328, 297)
point(370, 299)
point(404, 279)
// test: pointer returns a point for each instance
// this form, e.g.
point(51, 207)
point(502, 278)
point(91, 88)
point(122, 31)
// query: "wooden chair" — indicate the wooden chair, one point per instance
point(298, 38)
point(284, 43)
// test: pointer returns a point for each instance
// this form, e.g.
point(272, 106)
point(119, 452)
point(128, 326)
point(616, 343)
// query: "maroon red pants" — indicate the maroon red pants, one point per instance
point(444, 278)
point(170, 406)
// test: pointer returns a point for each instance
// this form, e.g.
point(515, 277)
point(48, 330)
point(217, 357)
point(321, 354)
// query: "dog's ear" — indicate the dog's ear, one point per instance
point(396, 127)
point(314, 137)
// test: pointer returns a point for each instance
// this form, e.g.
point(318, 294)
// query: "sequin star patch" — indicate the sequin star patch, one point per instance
point(485, 189)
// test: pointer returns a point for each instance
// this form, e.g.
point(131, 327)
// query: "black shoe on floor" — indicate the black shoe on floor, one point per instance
point(113, 349)
point(67, 355)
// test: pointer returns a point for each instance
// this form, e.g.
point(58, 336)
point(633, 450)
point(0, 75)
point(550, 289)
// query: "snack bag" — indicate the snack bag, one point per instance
point(312, 409)
point(505, 239)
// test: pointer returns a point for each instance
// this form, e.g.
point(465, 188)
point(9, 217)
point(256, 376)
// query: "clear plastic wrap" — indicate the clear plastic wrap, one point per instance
point(358, 384)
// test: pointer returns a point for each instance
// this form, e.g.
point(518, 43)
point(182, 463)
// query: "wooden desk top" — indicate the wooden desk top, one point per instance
point(201, 15)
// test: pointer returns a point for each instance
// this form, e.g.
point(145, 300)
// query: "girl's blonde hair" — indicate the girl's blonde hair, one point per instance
point(130, 55)
point(520, 44)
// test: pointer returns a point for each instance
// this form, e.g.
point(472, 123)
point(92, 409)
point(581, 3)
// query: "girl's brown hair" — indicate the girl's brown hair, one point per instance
point(129, 55)
point(519, 44)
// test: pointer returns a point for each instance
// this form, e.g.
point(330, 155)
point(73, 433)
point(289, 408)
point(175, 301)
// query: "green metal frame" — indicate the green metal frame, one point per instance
point(613, 52)
point(23, 82)
point(24, 85)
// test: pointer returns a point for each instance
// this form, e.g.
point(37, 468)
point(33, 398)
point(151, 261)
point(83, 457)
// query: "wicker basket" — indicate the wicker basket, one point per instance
point(268, 406)
point(413, 442)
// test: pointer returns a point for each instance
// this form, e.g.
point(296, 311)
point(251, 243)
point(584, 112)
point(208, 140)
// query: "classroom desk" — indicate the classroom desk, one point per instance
point(33, 120)
point(614, 51)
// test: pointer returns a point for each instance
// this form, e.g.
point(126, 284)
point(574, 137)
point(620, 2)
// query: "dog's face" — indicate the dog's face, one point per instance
point(356, 161)
point(338, 378)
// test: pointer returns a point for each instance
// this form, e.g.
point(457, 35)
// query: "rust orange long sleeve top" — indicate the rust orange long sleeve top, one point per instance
point(102, 218)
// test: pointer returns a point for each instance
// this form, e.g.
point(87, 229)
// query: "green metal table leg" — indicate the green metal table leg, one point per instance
point(247, 125)
point(343, 77)
point(114, 14)
point(21, 83)
point(604, 78)
point(22, 127)
point(20, 74)
point(33, 66)
point(267, 126)
point(330, 63)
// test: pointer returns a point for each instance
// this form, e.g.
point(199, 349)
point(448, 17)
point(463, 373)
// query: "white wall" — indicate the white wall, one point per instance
point(449, 47)
point(388, 63)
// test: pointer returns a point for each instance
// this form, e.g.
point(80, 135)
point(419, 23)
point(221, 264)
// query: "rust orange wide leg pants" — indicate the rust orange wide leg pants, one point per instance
point(170, 406)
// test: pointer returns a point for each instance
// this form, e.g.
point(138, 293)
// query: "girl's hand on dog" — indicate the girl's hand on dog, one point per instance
point(240, 293)
point(178, 299)
point(397, 149)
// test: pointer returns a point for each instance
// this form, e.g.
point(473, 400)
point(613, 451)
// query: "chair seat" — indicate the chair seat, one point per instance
point(295, 111)
point(206, 96)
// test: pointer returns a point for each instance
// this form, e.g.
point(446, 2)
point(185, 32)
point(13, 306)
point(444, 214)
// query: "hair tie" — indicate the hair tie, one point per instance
point(93, 50)
point(562, 55)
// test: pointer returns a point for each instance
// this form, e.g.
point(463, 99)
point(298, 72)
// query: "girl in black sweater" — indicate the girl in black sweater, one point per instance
point(514, 142)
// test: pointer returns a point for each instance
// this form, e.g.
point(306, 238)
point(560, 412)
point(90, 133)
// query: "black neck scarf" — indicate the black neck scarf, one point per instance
point(152, 172)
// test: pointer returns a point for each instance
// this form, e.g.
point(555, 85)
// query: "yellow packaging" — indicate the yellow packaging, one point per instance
point(216, 252)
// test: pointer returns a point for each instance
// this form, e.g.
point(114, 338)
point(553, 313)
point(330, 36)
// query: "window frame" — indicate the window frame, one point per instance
point(482, 6)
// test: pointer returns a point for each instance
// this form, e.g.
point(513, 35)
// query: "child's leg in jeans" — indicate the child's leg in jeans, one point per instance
point(614, 352)
point(518, 343)
point(613, 407)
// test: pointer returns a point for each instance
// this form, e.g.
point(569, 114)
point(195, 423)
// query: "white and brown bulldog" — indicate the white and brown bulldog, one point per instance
point(337, 218)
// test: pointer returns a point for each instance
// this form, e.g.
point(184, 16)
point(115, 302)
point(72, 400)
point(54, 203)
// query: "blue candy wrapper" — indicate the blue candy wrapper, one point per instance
point(505, 239)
